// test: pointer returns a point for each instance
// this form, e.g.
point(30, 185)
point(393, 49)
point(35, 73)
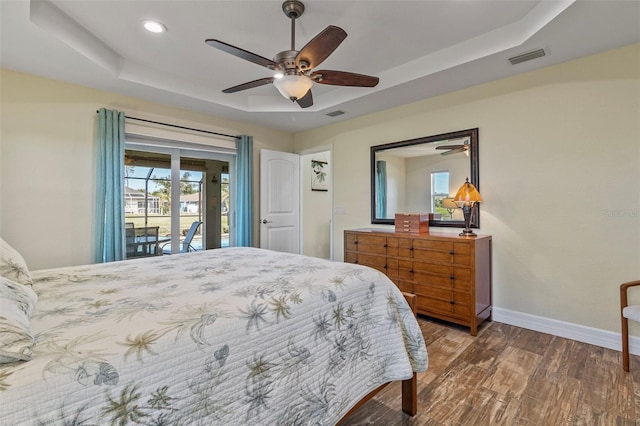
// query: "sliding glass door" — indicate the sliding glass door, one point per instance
point(181, 195)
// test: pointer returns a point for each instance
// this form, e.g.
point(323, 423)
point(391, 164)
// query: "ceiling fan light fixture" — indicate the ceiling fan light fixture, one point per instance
point(293, 87)
point(154, 27)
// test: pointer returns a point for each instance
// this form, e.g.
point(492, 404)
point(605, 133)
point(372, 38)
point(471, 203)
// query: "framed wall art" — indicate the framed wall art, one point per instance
point(319, 175)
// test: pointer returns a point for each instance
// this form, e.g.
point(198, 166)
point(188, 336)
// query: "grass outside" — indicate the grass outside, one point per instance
point(164, 222)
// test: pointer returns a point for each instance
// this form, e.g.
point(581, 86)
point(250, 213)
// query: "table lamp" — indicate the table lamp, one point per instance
point(466, 197)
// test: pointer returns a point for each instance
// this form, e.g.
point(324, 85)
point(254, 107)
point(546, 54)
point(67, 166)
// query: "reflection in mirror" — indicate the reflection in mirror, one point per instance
point(422, 176)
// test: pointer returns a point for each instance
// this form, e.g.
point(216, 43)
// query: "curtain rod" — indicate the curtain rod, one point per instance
point(181, 127)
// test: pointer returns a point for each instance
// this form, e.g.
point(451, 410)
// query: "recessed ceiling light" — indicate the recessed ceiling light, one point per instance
point(154, 27)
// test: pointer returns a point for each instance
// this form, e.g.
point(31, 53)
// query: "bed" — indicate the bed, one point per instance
point(232, 336)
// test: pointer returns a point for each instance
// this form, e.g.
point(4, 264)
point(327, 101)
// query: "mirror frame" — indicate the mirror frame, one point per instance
point(474, 174)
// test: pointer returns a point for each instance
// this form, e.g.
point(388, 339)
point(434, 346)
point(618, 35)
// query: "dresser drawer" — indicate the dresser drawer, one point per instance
point(392, 246)
point(405, 269)
point(462, 254)
point(433, 280)
point(432, 256)
point(378, 262)
point(351, 257)
point(443, 302)
point(433, 245)
point(371, 244)
point(405, 247)
point(458, 280)
point(461, 279)
point(433, 268)
point(406, 286)
point(391, 268)
point(428, 305)
point(433, 251)
point(461, 306)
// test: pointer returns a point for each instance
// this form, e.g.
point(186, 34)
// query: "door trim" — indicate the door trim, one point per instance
point(316, 150)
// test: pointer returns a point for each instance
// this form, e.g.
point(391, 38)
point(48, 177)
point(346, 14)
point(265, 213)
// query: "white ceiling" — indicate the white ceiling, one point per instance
point(418, 49)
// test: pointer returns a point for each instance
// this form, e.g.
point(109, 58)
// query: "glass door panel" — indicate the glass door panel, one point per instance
point(202, 201)
point(147, 202)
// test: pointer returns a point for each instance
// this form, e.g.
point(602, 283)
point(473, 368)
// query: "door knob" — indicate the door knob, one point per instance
point(265, 221)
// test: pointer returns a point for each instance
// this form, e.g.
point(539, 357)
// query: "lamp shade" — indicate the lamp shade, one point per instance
point(293, 86)
point(467, 194)
point(449, 203)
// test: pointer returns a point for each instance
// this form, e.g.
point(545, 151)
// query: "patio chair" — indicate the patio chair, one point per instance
point(142, 242)
point(130, 239)
point(627, 312)
point(185, 245)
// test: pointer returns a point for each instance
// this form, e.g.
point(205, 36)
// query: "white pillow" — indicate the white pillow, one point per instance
point(12, 265)
point(16, 304)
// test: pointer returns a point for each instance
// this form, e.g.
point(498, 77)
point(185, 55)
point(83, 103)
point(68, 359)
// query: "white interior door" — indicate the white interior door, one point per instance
point(279, 201)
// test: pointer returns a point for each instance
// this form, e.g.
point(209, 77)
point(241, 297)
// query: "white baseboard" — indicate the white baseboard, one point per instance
point(581, 333)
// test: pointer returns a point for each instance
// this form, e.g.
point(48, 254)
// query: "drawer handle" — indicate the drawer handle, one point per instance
point(452, 302)
point(410, 248)
point(451, 252)
point(411, 271)
point(355, 242)
point(385, 246)
point(451, 277)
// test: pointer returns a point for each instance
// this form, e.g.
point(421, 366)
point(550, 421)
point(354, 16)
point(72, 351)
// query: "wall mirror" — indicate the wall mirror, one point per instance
point(422, 176)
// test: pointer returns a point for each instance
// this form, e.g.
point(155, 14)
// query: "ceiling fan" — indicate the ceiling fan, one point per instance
point(294, 69)
point(453, 149)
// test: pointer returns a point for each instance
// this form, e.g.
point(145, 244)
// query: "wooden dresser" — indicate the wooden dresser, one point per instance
point(449, 274)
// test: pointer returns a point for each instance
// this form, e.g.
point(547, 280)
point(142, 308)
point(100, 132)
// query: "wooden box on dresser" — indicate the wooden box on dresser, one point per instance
point(449, 274)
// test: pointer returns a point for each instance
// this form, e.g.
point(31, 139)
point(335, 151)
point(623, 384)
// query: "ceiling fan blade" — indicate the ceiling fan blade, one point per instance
point(243, 54)
point(450, 147)
point(343, 78)
point(306, 101)
point(320, 47)
point(249, 85)
point(453, 151)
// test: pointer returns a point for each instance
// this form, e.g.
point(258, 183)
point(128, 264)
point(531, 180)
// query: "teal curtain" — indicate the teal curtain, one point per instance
point(109, 230)
point(381, 186)
point(244, 185)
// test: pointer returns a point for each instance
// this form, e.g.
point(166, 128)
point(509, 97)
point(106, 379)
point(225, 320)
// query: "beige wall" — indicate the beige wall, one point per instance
point(559, 173)
point(47, 160)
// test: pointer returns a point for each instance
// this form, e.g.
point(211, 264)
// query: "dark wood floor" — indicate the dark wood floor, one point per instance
point(512, 376)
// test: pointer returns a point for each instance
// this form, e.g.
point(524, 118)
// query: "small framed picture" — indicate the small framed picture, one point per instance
point(319, 176)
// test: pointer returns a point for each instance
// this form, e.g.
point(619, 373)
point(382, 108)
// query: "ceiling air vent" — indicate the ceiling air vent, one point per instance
point(518, 59)
point(335, 113)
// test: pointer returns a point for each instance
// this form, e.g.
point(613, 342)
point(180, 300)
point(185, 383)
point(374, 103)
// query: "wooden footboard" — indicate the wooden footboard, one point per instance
point(409, 386)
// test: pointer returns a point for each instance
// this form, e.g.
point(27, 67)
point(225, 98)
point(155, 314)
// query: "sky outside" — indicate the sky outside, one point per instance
point(440, 182)
point(135, 176)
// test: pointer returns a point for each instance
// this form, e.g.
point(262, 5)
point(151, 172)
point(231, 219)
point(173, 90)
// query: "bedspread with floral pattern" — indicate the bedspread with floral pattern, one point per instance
point(237, 336)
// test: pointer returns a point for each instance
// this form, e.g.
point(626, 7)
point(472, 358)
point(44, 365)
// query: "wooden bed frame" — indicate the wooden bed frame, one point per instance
point(409, 386)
